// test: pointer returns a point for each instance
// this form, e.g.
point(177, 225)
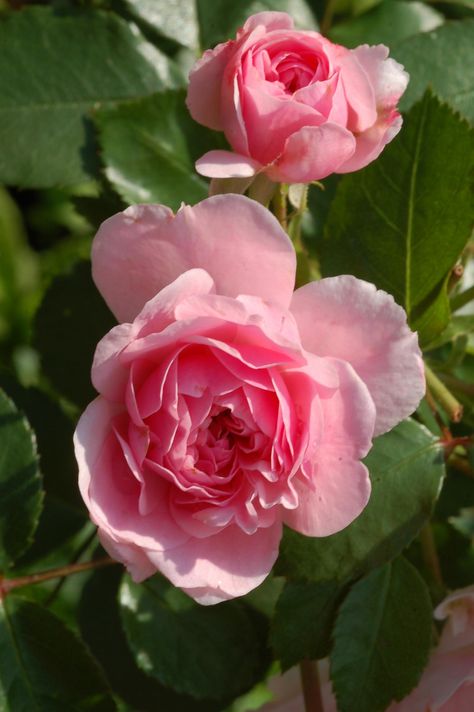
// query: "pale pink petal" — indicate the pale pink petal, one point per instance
point(341, 491)
point(370, 143)
point(350, 319)
point(238, 242)
point(270, 120)
point(226, 164)
point(312, 154)
point(270, 20)
point(133, 557)
point(110, 490)
point(388, 77)
point(360, 93)
point(205, 78)
point(108, 376)
point(224, 566)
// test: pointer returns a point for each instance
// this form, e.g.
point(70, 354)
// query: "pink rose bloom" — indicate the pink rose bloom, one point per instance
point(293, 104)
point(447, 685)
point(228, 404)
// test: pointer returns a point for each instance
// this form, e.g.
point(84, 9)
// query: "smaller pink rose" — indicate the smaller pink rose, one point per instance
point(293, 104)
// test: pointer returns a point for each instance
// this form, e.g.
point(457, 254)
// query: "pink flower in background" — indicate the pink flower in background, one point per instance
point(293, 104)
point(447, 685)
point(228, 404)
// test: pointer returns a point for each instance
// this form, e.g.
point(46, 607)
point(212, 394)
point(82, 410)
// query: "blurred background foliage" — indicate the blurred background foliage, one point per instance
point(92, 118)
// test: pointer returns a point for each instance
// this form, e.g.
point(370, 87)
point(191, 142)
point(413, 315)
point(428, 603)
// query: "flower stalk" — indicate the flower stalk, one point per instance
point(310, 681)
point(443, 396)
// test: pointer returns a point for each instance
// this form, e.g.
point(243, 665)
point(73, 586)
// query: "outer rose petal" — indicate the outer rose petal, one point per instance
point(226, 164)
point(336, 487)
point(350, 319)
point(388, 78)
point(205, 78)
point(237, 241)
point(137, 563)
point(270, 20)
point(313, 153)
point(370, 144)
point(236, 561)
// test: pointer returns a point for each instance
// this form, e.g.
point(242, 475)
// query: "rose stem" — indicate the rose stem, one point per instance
point(326, 21)
point(81, 550)
point(430, 555)
point(462, 298)
point(313, 700)
point(445, 398)
point(279, 205)
point(7, 585)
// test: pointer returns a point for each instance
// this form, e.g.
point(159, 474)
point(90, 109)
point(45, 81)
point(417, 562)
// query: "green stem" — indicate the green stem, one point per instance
point(326, 22)
point(430, 555)
point(459, 300)
point(7, 585)
point(279, 205)
point(313, 701)
point(443, 396)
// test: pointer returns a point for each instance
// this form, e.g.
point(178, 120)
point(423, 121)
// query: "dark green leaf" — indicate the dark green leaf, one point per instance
point(55, 69)
point(389, 22)
point(102, 630)
point(441, 59)
point(175, 19)
point(218, 646)
point(43, 666)
point(403, 221)
point(149, 147)
point(18, 272)
point(303, 621)
point(406, 467)
point(382, 639)
point(20, 483)
point(220, 19)
point(70, 321)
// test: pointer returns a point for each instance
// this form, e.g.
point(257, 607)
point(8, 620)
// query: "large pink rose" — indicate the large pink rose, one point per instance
point(293, 104)
point(229, 405)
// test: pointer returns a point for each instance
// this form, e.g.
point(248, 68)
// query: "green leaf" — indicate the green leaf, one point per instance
point(55, 70)
point(403, 221)
point(389, 22)
point(464, 522)
point(149, 147)
point(218, 646)
point(303, 621)
point(219, 20)
point(441, 59)
point(18, 272)
point(69, 323)
point(102, 630)
point(175, 19)
point(459, 326)
point(43, 666)
point(406, 468)
point(20, 483)
point(382, 639)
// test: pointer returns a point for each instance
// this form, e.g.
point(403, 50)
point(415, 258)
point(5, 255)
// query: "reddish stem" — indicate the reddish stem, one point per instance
point(7, 585)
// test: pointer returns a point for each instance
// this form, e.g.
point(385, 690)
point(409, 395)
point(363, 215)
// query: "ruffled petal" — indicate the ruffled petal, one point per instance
point(229, 564)
point(239, 243)
point(312, 153)
point(350, 319)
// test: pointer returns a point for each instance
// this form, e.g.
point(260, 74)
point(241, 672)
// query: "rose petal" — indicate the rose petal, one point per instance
point(227, 565)
point(237, 241)
point(388, 78)
point(270, 20)
point(350, 319)
point(205, 78)
point(226, 164)
point(312, 154)
point(370, 143)
point(341, 491)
